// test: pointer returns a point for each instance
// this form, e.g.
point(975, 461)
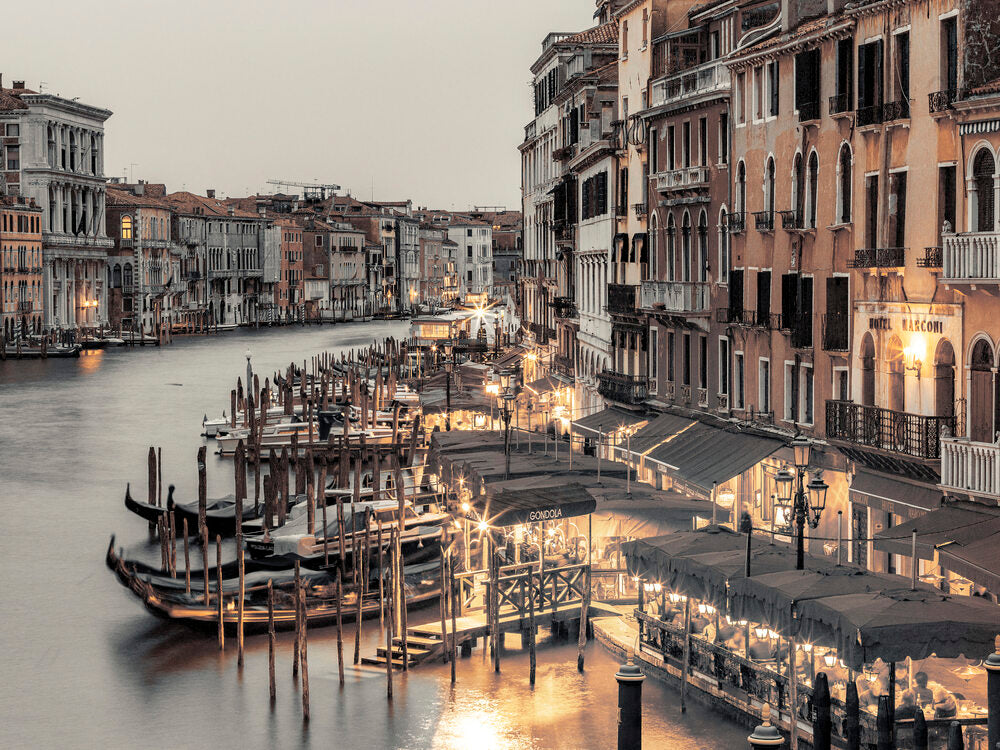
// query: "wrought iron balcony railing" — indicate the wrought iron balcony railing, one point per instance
point(840, 104)
point(790, 219)
point(564, 307)
point(869, 115)
point(941, 101)
point(836, 328)
point(898, 110)
point(799, 328)
point(881, 257)
point(736, 222)
point(933, 258)
point(884, 429)
point(764, 221)
point(625, 389)
point(808, 111)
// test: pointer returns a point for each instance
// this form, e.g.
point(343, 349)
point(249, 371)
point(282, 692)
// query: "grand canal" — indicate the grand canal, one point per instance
point(84, 665)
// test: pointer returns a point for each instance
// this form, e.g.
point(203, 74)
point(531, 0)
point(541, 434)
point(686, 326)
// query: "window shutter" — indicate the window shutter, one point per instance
point(602, 193)
point(863, 92)
point(877, 73)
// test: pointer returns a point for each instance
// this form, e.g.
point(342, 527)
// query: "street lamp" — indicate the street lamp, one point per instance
point(508, 410)
point(809, 500)
point(448, 348)
point(250, 371)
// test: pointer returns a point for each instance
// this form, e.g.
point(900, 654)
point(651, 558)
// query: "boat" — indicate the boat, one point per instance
point(35, 352)
point(101, 343)
point(169, 598)
point(147, 511)
point(220, 513)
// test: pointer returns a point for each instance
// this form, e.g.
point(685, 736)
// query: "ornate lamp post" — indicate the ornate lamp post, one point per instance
point(248, 355)
point(809, 500)
point(508, 399)
point(448, 362)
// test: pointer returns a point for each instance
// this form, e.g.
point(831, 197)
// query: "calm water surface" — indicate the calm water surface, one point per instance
point(84, 664)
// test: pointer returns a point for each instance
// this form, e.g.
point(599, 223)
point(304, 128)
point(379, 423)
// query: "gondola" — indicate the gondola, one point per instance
point(146, 511)
point(220, 513)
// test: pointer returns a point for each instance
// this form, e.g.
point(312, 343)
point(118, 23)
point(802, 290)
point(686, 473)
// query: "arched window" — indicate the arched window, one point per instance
point(944, 379)
point(741, 188)
point(116, 279)
point(769, 185)
point(868, 370)
point(723, 275)
point(127, 281)
point(981, 393)
point(897, 374)
point(798, 189)
point(671, 247)
point(650, 272)
point(52, 147)
point(844, 185)
point(812, 190)
point(702, 273)
point(126, 227)
point(686, 247)
point(983, 169)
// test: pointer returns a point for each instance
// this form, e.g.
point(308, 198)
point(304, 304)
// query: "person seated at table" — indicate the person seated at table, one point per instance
point(726, 632)
point(737, 642)
point(762, 649)
point(699, 623)
point(932, 694)
point(907, 707)
point(869, 694)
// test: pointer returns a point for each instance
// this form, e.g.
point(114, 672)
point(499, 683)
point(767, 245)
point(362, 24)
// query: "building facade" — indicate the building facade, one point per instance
point(22, 300)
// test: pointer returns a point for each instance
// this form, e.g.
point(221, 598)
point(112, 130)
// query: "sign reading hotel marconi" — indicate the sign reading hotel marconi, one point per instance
point(911, 324)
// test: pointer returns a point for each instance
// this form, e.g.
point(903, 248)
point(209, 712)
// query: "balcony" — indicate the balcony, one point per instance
point(840, 104)
point(967, 466)
point(941, 101)
point(808, 111)
point(869, 115)
point(790, 220)
point(913, 435)
point(640, 210)
point(622, 299)
point(899, 110)
point(836, 332)
point(192, 275)
point(881, 257)
point(706, 79)
point(799, 328)
point(565, 307)
point(566, 152)
point(675, 296)
point(625, 389)
point(971, 257)
point(25, 306)
point(767, 321)
point(764, 221)
point(563, 364)
point(687, 178)
point(736, 222)
point(932, 258)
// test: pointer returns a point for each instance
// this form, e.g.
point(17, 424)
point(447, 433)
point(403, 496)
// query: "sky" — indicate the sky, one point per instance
point(422, 99)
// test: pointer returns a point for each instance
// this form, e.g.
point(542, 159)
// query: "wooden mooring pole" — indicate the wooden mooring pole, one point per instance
point(218, 574)
point(270, 638)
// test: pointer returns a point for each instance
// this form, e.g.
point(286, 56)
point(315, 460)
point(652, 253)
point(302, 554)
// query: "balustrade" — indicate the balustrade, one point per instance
point(971, 256)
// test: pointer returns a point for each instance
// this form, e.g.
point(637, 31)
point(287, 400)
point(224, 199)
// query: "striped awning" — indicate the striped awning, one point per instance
point(979, 126)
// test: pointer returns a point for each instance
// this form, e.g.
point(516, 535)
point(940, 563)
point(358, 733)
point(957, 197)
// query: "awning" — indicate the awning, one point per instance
point(961, 523)
point(978, 561)
point(702, 455)
point(653, 558)
point(658, 513)
point(511, 507)
point(511, 358)
point(544, 385)
point(894, 624)
point(654, 433)
point(894, 495)
point(607, 420)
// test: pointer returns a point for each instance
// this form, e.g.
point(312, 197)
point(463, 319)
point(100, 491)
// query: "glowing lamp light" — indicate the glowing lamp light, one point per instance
point(725, 497)
point(761, 632)
point(830, 659)
point(480, 420)
point(483, 526)
point(657, 587)
point(807, 647)
point(870, 674)
point(913, 355)
point(465, 507)
point(772, 634)
point(780, 516)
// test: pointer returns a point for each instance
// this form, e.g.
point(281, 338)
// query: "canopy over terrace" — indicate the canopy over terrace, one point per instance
point(515, 506)
point(605, 421)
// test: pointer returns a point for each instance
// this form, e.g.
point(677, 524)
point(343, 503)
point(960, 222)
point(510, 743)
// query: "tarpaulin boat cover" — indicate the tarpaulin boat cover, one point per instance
point(703, 455)
point(607, 420)
point(893, 625)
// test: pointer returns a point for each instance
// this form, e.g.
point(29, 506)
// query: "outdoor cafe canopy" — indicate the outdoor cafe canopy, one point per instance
point(512, 507)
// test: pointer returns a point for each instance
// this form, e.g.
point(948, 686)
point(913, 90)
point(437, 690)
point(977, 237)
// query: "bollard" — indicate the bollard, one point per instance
point(852, 721)
point(919, 731)
point(992, 664)
point(883, 724)
point(630, 679)
point(955, 741)
point(822, 725)
point(766, 734)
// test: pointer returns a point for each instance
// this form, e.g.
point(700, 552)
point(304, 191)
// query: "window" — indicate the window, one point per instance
point(741, 188)
point(736, 295)
point(319, 240)
point(741, 94)
point(901, 80)
point(806, 415)
point(624, 49)
point(686, 247)
point(763, 298)
point(949, 55)
point(13, 158)
point(670, 356)
point(844, 178)
point(870, 78)
point(126, 228)
point(623, 191)
point(724, 138)
point(983, 168)
point(769, 186)
point(723, 366)
point(645, 26)
point(739, 379)
point(764, 386)
point(671, 253)
point(772, 88)
point(671, 164)
point(789, 413)
point(686, 362)
point(946, 198)
point(653, 155)
point(845, 76)
point(12, 130)
point(897, 209)
point(703, 142)
point(703, 362)
point(654, 353)
point(812, 190)
point(758, 94)
point(798, 187)
point(686, 144)
point(871, 210)
point(807, 84)
point(702, 259)
point(468, 252)
point(723, 273)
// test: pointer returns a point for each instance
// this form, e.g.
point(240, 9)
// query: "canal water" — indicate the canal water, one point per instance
point(85, 665)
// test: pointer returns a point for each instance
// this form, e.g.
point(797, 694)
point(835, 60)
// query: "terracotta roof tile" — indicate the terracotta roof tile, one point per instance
point(118, 197)
point(10, 99)
point(992, 87)
point(604, 34)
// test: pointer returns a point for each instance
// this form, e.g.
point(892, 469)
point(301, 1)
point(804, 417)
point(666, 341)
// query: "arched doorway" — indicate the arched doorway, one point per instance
point(897, 375)
point(944, 379)
point(868, 370)
point(981, 401)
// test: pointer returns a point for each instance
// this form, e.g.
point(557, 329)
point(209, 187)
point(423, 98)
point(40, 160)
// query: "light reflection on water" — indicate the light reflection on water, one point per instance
point(84, 664)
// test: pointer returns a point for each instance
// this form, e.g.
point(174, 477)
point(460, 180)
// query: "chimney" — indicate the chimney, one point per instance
point(18, 84)
point(210, 193)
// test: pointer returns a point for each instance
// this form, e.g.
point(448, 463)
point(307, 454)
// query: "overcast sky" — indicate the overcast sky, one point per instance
point(428, 98)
